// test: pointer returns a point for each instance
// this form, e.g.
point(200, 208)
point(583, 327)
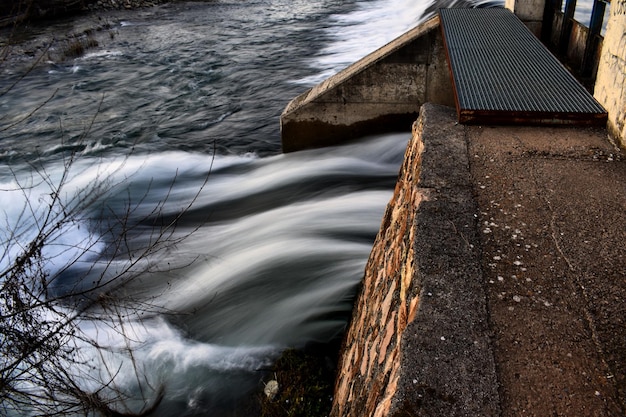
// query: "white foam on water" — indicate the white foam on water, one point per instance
point(104, 53)
point(268, 278)
point(355, 35)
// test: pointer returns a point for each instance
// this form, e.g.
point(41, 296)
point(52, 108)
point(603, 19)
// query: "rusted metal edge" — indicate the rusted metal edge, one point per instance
point(474, 117)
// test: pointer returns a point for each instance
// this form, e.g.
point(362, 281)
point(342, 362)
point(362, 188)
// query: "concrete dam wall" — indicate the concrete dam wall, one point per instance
point(611, 83)
point(382, 92)
point(484, 294)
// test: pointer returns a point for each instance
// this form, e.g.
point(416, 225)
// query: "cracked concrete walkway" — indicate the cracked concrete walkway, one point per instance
point(552, 221)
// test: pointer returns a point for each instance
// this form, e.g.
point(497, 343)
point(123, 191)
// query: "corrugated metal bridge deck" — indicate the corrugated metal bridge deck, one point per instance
point(503, 74)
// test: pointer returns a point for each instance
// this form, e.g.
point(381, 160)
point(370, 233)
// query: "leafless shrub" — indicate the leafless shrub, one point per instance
point(47, 361)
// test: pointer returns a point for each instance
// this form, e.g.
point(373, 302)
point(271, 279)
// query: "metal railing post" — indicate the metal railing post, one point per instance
point(593, 39)
point(566, 27)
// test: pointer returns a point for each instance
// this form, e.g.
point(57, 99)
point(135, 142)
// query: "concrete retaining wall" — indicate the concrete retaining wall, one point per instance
point(418, 342)
point(380, 93)
point(529, 11)
point(610, 88)
point(574, 54)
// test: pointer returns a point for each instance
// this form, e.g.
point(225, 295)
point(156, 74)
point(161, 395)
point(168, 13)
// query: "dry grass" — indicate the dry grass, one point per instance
point(78, 45)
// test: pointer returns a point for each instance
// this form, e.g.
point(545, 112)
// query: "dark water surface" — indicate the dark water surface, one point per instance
point(179, 76)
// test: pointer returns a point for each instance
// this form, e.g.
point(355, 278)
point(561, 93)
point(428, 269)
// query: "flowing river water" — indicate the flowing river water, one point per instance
point(179, 104)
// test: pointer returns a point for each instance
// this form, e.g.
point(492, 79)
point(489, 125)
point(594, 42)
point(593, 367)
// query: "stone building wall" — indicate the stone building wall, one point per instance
point(610, 89)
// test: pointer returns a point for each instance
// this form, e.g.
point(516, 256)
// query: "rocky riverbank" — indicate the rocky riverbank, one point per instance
point(123, 4)
point(58, 30)
point(42, 10)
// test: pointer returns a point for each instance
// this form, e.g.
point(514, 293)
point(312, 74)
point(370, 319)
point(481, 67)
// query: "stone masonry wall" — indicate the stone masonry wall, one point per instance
point(418, 343)
point(388, 300)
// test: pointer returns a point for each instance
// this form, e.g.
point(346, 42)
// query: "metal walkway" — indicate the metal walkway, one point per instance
point(503, 74)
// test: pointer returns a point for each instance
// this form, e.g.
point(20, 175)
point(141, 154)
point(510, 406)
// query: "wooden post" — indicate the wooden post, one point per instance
point(551, 7)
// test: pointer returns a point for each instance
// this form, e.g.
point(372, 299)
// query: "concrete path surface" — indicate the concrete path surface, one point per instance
point(552, 221)
point(497, 285)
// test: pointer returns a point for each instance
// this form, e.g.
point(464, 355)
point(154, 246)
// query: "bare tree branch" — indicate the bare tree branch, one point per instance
point(43, 362)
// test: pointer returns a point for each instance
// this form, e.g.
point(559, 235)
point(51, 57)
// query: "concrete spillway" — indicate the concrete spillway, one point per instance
point(380, 93)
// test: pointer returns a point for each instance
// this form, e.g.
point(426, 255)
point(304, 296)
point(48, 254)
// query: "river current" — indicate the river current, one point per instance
point(178, 106)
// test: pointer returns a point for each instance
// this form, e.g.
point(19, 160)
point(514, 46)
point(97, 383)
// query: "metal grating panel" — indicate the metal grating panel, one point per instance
point(503, 74)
